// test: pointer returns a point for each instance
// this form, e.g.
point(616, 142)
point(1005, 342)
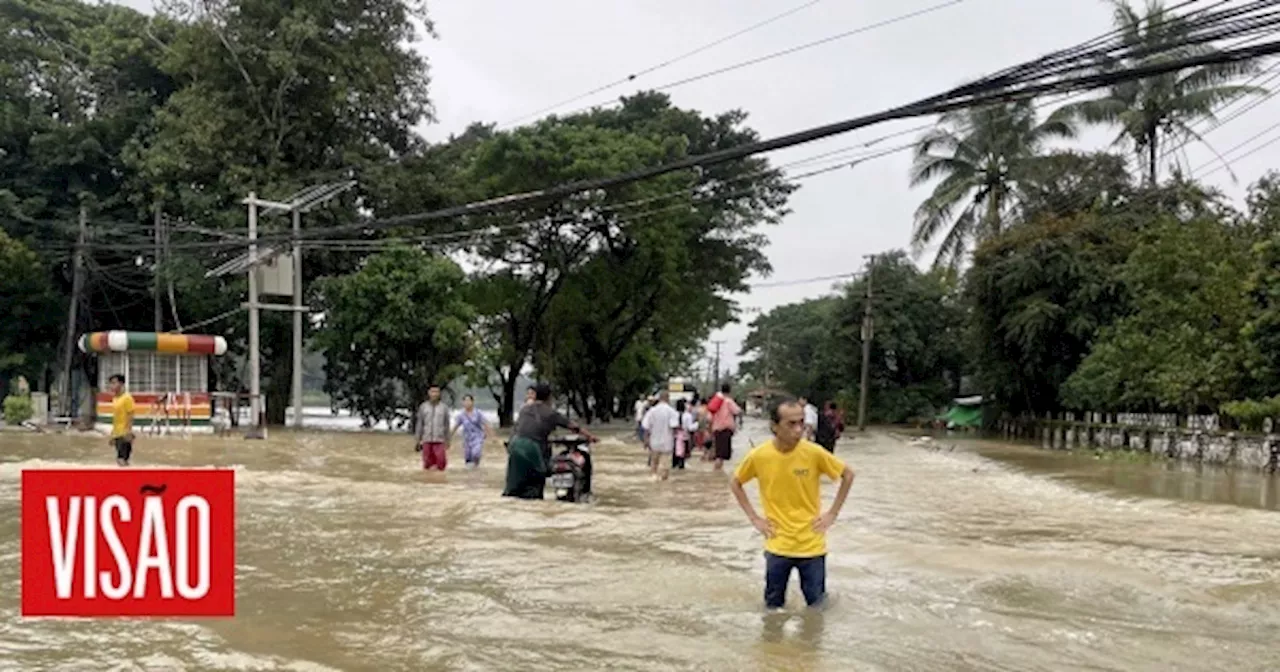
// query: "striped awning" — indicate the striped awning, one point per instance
point(146, 341)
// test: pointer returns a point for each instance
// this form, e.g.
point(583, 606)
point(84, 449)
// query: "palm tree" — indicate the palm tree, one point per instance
point(980, 155)
point(1160, 109)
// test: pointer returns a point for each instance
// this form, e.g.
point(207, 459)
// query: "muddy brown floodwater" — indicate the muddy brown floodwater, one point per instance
point(350, 558)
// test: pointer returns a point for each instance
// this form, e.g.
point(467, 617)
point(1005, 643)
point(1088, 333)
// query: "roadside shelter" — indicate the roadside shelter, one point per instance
point(167, 374)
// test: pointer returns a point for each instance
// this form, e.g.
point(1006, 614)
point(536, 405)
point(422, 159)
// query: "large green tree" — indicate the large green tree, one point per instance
point(391, 330)
point(272, 98)
point(978, 159)
point(1037, 296)
point(814, 348)
point(79, 83)
point(917, 345)
point(657, 254)
point(792, 348)
point(1182, 347)
point(1156, 111)
point(30, 332)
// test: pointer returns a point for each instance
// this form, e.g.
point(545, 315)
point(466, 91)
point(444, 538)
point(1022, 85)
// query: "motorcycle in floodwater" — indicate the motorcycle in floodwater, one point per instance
point(571, 469)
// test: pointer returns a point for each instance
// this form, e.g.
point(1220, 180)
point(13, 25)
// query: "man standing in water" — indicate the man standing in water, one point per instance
point(121, 420)
point(660, 423)
point(433, 432)
point(528, 453)
point(788, 467)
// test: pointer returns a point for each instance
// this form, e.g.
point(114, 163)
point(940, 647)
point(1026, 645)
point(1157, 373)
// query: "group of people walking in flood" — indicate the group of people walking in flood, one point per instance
point(672, 435)
point(788, 467)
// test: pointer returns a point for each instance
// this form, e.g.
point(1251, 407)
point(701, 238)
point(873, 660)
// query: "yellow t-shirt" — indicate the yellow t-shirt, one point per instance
point(789, 494)
point(121, 409)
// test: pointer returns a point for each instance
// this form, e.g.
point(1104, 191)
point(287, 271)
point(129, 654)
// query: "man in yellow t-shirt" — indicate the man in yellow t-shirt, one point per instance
point(121, 420)
point(788, 468)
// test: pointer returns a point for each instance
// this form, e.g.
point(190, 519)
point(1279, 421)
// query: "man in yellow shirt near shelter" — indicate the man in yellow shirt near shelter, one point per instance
point(121, 420)
point(788, 468)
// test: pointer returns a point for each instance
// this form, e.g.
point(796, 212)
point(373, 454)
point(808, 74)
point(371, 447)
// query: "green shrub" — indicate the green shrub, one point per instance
point(18, 410)
point(1250, 413)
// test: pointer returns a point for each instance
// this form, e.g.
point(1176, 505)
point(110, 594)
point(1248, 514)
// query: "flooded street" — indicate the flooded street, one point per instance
point(350, 558)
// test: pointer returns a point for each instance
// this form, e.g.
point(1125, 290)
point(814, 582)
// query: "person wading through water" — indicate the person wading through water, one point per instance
point(810, 418)
point(475, 429)
point(684, 435)
point(528, 453)
point(121, 421)
point(433, 433)
point(788, 468)
point(724, 420)
point(830, 427)
point(660, 424)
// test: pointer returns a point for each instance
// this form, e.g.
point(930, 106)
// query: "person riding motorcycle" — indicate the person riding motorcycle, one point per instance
point(528, 453)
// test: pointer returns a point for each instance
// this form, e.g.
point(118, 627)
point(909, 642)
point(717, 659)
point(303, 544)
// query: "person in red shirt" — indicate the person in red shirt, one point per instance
point(724, 420)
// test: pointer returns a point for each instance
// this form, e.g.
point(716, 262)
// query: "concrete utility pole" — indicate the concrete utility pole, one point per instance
point(255, 361)
point(155, 270)
point(69, 341)
point(768, 359)
point(867, 333)
point(302, 201)
point(717, 376)
point(297, 319)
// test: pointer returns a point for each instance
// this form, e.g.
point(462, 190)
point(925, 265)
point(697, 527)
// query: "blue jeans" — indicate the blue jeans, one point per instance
point(777, 574)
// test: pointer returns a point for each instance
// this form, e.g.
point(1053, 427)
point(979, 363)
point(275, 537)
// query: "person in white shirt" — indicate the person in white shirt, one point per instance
point(810, 418)
point(684, 434)
point(660, 423)
point(640, 407)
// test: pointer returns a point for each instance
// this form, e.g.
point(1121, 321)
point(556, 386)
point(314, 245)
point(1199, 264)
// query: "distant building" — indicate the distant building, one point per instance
point(759, 399)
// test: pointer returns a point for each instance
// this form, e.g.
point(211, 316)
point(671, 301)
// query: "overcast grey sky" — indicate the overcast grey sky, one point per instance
point(498, 60)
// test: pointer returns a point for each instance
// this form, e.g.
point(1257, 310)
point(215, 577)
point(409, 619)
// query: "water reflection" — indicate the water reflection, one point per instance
point(351, 558)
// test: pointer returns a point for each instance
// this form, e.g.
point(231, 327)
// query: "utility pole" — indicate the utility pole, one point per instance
point(300, 202)
point(297, 319)
point(69, 342)
point(768, 360)
point(255, 361)
point(866, 348)
point(717, 376)
point(155, 271)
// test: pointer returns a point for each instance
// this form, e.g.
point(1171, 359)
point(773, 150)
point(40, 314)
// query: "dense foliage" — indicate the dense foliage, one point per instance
point(814, 348)
point(392, 329)
point(189, 111)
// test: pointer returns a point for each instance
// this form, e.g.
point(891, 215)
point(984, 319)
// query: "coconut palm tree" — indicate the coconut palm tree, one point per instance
point(1156, 111)
point(979, 156)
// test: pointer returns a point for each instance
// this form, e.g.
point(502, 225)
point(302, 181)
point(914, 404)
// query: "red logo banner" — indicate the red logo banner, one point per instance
point(128, 542)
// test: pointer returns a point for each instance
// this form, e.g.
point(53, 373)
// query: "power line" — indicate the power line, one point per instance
point(1251, 152)
point(792, 50)
point(967, 96)
point(804, 281)
point(671, 61)
point(1193, 135)
point(491, 233)
point(978, 93)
